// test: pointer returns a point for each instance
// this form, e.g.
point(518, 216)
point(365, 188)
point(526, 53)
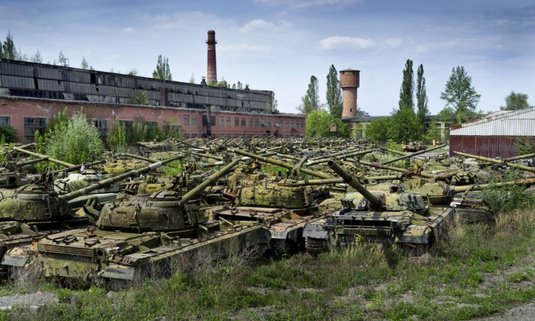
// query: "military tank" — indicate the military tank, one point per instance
point(35, 210)
point(275, 202)
point(403, 218)
point(146, 236)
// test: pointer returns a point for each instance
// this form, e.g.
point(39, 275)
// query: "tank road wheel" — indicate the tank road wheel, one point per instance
point(315, 246)
point(285, 247)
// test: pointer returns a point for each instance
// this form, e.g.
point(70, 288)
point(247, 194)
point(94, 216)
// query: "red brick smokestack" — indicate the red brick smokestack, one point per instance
point(349, 82)
point(211, 75)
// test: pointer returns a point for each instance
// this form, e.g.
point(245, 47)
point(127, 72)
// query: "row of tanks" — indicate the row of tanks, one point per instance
point(326, 199)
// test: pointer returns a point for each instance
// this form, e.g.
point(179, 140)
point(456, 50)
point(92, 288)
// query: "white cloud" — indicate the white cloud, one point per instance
point(128, 30)
point(261, 24)
point(256, 25)
point(340, 42)
point(394, 42)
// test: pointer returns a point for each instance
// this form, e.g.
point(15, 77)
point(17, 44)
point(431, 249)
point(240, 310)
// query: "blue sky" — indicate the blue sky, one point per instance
point(278, 44)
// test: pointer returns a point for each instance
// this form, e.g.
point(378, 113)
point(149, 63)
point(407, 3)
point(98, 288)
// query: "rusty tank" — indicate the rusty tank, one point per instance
point(147, 236)
point(402, 218)
point(36, 210)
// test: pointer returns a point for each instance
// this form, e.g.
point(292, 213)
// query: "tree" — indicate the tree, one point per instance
point(334, 93)
point(37, 58)
point(132, 72)
point(407, 87)
point(85, 64)
point(162, 71)
point(377, 130)
point(460, 95)
point(139, 97)
point(117, 138)
point(404, 126)
point(8, 134)
point(421, 95)
point(318, 124)
point(76, 142)
point(515, 101)
point(311, 99)
point(8, 47)
point(62, 60)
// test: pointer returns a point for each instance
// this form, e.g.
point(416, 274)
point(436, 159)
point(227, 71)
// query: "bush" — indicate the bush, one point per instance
point(76, 141)
point(8, 134)
point(117, 138)
point(505, 199)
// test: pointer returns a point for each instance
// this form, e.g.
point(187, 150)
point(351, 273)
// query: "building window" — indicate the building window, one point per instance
point(102, 126)
point(243, 122)
point(257, 122)
point(31, 125)
point(193, 121)
point(229, 121)
point(5, 121)
point(237, 121)
point(221, 121)
point(186, 120)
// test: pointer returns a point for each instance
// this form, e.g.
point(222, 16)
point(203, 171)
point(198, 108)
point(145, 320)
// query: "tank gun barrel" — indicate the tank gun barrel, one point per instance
point(31, 161)
point(207, 156)
point(340, 155)
point(374, 202)
point(496, 161)
point(525, 181)
point(111, 180)
point(279, 163)
point(395, 169)
point(54, 160)
point(77, 167)
point(413, 154)
point(146, 159)
point(208, 181)
point(510, 159)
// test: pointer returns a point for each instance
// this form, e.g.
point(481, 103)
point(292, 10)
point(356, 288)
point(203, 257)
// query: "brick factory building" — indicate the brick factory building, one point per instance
point(31, 93)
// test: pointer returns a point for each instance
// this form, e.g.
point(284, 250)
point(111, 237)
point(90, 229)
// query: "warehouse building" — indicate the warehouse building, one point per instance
point(32, 93)
point(502, 134)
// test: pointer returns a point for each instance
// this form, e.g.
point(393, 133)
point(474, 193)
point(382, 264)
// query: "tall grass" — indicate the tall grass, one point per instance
point(480, 270)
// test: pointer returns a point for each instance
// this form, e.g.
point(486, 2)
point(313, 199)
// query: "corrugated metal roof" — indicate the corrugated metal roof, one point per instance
point(502, 123)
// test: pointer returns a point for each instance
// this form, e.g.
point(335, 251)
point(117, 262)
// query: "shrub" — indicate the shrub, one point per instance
point(76, 141)
point(8, 134)
point(117, 138)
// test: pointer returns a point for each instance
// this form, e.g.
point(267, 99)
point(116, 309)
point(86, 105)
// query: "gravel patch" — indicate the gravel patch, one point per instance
point(524, 312)
point(33, 300)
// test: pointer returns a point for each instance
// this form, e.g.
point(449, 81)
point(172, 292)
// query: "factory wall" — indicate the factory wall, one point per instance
point(29, 114)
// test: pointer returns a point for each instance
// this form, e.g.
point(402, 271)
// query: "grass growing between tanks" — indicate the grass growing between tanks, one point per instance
point(481, 271)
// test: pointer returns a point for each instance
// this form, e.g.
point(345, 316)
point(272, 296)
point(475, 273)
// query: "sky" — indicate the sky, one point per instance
point(279, 44)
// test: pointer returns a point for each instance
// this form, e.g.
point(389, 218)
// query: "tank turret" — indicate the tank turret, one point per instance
point(37, 202)
point(147, 236)
point(404, 218)
point(162, 211)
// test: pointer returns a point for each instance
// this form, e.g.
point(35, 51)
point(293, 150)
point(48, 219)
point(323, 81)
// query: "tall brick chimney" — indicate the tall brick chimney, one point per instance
point(211, 73)
point(349, 82)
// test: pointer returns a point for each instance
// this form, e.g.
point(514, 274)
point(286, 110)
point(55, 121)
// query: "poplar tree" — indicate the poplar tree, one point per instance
point(8, 48)
point(421, 95)
point(407, 87)
point(334, 93)
point(162, 71)
point(311, 99)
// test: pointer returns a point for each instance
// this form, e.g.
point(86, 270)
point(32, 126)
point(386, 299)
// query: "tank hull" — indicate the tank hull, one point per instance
point(118, 259)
